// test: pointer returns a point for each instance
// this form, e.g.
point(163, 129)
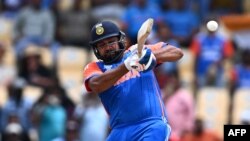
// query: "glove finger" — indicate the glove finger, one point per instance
point(137, 66)
point(151, 63)
point(145, 56)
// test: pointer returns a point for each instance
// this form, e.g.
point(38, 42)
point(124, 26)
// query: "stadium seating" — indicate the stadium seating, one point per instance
point(241, 103)
point(3, 95)
point(71, 58)
point(185, 68)
point(246, 5)
point(47, 57)
point(6, 31)
point(75, 93)
point(236, 22)
point(44, 52)
point(9, 57)
point(212, 107)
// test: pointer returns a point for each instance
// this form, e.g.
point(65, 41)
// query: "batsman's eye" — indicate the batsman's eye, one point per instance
point(100, 45)
point(103, 45)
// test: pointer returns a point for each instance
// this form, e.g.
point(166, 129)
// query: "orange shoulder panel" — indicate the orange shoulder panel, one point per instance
point(90, 69)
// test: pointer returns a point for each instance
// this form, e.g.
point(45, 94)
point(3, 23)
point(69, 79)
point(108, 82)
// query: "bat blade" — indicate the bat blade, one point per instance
point(143, 33)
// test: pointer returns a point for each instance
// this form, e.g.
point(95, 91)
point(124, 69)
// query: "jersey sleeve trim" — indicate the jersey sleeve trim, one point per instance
point(92, 69)
point(86, 82)
point(157, 46)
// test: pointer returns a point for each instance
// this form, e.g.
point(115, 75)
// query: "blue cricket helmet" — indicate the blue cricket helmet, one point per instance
point(104, 30)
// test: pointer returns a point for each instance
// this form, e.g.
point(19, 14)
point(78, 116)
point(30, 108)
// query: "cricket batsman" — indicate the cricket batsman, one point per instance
point(127, 86)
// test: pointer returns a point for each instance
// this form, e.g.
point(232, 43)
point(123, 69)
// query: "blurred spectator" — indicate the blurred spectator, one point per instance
point(161, 77)
point(135, 14)
point(241, 71)
point(48, 4)
point(180, 106)
point(66, 102)
point(14, 132)
point(49, 116)
point(93, 119)
point(157, 2)
point(11, 8)
point(34, 25)
point(108, 11)
point(7, 73)
point(163, 33)
point(71, 133)
point(207, 8)
point(210, 50)
point(18, 106)
point(185, 26)
point(200, 134)
point(201, 7)
point(96, 3)
point(124, 3)
point(32, 69)
point(73, 25)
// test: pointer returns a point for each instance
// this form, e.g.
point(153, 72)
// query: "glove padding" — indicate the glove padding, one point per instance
point(132, 62)
point(147, 59)
point(145, 63)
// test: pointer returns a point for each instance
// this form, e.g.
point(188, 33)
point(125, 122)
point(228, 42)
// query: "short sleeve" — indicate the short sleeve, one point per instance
point(90, 70)
point(157, 46)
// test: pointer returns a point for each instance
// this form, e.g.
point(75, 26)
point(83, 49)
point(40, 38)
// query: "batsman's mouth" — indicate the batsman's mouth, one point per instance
point(110, 54)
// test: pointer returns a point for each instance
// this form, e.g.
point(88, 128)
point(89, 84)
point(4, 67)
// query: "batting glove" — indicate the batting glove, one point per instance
point(145, 63)
point(147, 60)
point(132, 62)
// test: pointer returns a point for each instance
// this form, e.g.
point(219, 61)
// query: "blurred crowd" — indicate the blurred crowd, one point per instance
point(44, 47)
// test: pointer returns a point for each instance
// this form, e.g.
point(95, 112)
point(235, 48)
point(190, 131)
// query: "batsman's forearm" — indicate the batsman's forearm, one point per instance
point(168, 54)
point(104, 81)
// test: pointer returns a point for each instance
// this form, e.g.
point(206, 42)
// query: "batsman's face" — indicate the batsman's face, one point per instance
point(108, 47)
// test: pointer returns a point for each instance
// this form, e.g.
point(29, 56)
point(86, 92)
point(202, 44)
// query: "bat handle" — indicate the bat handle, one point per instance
point(139, 54)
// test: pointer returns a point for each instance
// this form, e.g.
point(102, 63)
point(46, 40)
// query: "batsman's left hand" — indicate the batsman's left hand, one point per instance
point(147, 60)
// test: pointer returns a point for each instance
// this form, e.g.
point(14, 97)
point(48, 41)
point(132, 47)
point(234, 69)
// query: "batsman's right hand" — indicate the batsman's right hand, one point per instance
point(132, 62)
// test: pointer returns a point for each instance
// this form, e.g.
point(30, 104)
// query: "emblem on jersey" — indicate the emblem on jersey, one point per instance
point(108, 67)
point(99, 30)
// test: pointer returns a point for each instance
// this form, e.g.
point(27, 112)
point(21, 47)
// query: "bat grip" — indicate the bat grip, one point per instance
point(139, 54)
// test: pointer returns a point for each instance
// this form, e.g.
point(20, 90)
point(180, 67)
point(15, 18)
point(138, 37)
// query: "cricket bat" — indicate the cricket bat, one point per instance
point(143, 33)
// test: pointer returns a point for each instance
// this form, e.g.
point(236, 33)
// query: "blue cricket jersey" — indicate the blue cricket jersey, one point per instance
point(134, 98)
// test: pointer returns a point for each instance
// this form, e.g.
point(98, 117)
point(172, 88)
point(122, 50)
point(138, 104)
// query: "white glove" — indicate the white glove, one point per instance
point(146, 62)
point(132, 62)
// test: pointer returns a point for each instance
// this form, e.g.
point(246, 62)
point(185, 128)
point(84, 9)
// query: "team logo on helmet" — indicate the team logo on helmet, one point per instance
point(99, 30)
